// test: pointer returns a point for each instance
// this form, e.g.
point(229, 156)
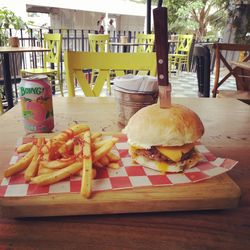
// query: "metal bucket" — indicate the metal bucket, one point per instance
point(128, 103)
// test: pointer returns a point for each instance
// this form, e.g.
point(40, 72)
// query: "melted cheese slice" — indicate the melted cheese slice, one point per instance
point(162, 166)
point(175, 153)
point(136, 147)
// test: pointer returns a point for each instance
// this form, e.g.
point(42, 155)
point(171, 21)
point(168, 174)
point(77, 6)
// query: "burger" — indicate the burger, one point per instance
point(164, 139)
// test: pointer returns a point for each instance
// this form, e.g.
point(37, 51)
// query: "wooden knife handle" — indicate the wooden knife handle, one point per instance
point(161, 44)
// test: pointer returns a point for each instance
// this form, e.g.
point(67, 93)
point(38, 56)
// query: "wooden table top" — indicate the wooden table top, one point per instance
point(227, 134)
point(22, 49)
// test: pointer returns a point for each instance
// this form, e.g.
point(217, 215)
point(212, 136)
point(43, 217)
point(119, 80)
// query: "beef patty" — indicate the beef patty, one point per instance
point(154, 154)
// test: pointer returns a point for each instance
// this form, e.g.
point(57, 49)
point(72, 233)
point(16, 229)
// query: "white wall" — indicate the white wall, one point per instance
point(76, 19)
point(131, 23)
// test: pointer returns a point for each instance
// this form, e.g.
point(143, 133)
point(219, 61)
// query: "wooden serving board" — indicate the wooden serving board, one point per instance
point(216, 193)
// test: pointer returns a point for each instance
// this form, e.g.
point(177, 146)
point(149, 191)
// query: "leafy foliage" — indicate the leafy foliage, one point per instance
point(195, 16)
point(9, 20)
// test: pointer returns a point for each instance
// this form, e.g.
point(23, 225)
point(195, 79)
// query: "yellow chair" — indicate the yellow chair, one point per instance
point(146, 45)
point(182, 51)
point(146, 42)
point(77, 61)
point(98, 43)
point(54, 43)
point(1, 104)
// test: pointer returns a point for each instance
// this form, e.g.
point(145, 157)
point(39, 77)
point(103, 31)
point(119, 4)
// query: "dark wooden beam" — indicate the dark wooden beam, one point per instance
point(148, 16)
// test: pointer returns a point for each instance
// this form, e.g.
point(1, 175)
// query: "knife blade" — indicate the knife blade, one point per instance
point(161, 43)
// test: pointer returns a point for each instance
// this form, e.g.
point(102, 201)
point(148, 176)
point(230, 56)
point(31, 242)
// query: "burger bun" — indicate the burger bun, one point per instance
point(154, 126)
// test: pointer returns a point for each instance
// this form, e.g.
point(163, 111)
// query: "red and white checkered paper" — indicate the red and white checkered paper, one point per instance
point(129, 175)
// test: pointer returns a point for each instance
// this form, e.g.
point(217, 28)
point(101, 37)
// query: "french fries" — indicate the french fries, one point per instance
point(114, 165)
point(58, 175)
point(32, 169)
point(24, 147)
point(57, 164)
point(20, 165)
point(43, 170)
point(71, 132)
point(102, 151)
point(87, 166)
point(104, 160)
point(99, 144)
point(113, 157)
point(95, 136)
point(74, 151)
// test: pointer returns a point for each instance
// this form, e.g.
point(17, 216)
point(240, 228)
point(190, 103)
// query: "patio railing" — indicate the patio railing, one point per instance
point(73, 39)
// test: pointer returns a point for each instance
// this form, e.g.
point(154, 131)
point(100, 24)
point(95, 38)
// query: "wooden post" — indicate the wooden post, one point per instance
point(217, 69)
point(148, 16)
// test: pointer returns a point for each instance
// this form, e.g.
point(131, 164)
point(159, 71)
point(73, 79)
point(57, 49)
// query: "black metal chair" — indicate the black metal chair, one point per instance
point(202, 59)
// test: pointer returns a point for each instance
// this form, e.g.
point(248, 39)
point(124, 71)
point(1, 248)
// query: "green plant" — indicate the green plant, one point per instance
point(9, 20)
point(195, 16)
point(241, 23)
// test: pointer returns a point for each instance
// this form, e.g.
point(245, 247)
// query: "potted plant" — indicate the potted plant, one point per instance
point(9, 20)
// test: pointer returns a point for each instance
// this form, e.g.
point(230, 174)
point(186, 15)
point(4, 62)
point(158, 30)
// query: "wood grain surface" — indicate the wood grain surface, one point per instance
point(227, 134)
point(22, 49)
point(217, 193)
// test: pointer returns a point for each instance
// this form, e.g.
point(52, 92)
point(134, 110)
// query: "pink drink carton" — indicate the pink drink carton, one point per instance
point(36, 102)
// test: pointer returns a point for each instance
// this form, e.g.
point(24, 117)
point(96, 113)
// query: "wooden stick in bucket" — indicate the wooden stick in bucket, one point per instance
point(161, 44)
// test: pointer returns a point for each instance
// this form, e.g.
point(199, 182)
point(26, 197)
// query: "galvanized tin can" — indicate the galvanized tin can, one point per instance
point(36, 101)
point(129, 102)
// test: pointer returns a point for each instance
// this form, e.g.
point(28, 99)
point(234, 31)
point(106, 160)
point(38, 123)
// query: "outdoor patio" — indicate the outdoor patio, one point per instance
point(183, 85)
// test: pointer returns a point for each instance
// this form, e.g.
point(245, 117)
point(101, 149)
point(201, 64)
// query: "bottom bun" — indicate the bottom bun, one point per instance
point(165, 167)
